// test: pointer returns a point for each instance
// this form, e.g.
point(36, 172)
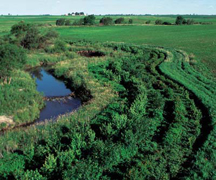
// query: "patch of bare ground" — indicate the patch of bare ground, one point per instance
point(5, 119)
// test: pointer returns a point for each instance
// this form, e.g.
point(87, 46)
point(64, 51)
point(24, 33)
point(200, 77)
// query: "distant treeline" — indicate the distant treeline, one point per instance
point(91, 20)
point(180, 20)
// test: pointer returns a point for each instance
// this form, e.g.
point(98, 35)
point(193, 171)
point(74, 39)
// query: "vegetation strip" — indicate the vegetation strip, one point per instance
point(128, 129)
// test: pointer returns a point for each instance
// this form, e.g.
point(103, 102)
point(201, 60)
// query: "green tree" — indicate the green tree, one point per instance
point(60, 22)
point(20, 28)
point(31, 39)
point(11, 57)
point(119, 21)
point(148, 22)
point(130, 21)
point(179, 20)
point(190, 21)
point(158, 22)
point(167, 23)
point(106, 21)
point(89, 20)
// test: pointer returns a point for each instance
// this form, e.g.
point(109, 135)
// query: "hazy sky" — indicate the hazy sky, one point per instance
point(108, 6)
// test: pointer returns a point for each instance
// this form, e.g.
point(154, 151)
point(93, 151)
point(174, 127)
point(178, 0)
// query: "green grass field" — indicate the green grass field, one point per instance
point(197, 39)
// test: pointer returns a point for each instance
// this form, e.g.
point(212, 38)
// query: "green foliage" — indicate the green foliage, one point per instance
point(158, 22)
point(31, 39)
point(119, 21)
point(20, 28)
point(79, 22)
point(130, 21)
point(180, 20)
point(11, 57)
point(148, 22)
point(144, 121)
point(60, 22)
point(59, 46)
point(52, 34)
point(68, 22)
point(89, 20)
point(106, 21)
point(167, 23)
point(190, 21)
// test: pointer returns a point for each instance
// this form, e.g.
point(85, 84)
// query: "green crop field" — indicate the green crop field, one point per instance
point(198, 39)
point(148, 99)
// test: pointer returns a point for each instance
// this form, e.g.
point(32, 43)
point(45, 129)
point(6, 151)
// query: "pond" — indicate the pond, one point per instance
point(52, 87)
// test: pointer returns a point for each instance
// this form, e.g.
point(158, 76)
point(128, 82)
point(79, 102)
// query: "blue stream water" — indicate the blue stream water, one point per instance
point(51, 87)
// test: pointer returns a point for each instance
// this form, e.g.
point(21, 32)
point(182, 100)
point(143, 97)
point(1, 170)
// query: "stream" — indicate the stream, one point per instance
point(53, 88)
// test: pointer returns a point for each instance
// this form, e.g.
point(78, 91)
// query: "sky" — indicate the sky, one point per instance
point(57, 7)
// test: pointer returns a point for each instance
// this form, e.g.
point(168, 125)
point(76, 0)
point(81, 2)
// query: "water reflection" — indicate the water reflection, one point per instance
point(51, 87)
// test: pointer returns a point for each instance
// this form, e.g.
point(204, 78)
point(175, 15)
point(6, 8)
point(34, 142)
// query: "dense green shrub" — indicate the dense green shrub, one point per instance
point(20, 28)
point(106, 21)
point(59, 46)
point(150, 128)
point(158, 22)
point(167, 23)
point(11, 57)
point(130, 21)
point(180, 20)
point(89, 20)
point(60, 22)
point(190, 21)
point(148, 22)
point(51, 34)
point(32, 39)
point(68, 22)
point(119, 21)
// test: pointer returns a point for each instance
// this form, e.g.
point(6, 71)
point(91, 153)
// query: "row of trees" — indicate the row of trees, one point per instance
point(90, 20)
point(179, 21)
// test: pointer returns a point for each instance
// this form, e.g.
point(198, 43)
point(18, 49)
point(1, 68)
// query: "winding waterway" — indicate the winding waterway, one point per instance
point(54, 88)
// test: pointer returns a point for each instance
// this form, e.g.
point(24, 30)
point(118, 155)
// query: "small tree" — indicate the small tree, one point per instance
point(106, 21)
point(20, 28)
point(167, 23)
point(119, 21)
point(179, 20)
point(148, 22)
point(31, 39)
point(89, 20)
point(190, 21)
point(130, 21)
point(60, 22)
point(11, 57)
point(158, 22)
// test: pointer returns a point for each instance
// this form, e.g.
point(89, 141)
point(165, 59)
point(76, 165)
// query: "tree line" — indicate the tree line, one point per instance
point(91, 20)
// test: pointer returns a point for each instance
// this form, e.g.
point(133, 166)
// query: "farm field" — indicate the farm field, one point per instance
point(198, 39)
point(192, 39)
point(145, 93)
